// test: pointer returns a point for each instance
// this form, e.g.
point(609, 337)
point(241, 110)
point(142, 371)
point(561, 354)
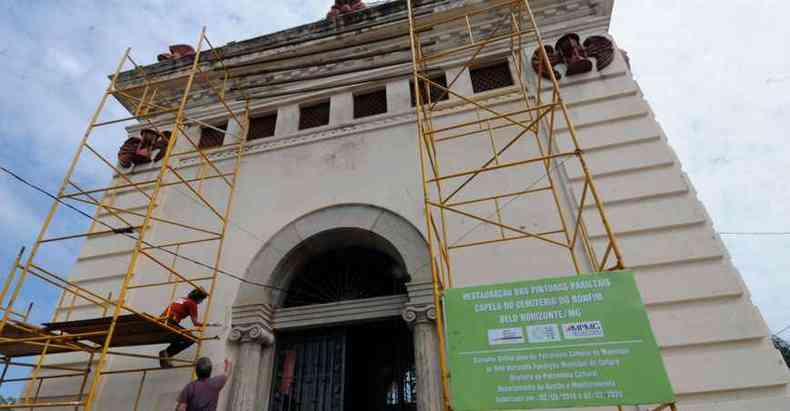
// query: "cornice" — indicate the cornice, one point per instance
point(571, 13)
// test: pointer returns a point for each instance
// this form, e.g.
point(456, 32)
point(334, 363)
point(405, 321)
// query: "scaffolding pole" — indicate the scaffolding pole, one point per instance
point(451, 191)
point(146, 268)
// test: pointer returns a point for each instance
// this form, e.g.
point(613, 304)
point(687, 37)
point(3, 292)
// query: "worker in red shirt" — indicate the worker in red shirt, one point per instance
point(181, 308)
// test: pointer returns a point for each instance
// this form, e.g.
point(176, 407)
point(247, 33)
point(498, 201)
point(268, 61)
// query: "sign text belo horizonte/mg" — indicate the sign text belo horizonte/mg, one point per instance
point(560, 342)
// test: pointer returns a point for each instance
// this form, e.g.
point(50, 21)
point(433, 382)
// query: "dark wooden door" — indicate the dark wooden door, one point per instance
point(381, 368)
point(365, 367)
point(310, 372)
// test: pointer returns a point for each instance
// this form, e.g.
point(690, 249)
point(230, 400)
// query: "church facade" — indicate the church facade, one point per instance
point(328, 216)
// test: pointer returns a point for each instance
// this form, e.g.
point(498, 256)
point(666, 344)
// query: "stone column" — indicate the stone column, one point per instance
point(265, 377)
point(421, 319)
point(254, 343)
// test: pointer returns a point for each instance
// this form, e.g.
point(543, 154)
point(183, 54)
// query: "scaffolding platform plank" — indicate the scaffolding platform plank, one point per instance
point(18, 331)
point(130, 330)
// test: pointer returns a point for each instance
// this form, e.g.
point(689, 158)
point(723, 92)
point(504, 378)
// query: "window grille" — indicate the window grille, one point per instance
point(209, 137)
point(491, 77)
point(369, 104)
point(262, 127)
point(314, 116)
point(437, 94)
point(340, 275)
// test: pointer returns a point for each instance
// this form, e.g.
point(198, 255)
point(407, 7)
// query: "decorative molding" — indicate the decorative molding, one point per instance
point(268, 144)
point(419, 314)
point(329, 132)
point(339, 313)
point(254, 333)
point(252, 314)
point(420, 293)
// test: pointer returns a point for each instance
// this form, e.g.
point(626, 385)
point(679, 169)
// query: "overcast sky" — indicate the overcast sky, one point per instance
point(718, 79)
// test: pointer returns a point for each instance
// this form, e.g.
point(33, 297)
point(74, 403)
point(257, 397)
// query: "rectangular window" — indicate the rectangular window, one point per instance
point(437, 94)
point(491, 77)
point(262, 126)
point(315, 115)
point(209, 137)
point(370, 103)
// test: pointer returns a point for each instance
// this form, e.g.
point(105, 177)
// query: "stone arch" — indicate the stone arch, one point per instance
point(369, 225)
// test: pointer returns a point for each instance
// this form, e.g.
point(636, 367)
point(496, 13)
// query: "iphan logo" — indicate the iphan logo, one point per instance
point(587, 329)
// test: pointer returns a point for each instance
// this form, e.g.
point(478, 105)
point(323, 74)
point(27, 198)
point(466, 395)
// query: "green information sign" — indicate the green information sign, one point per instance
point(552, 343)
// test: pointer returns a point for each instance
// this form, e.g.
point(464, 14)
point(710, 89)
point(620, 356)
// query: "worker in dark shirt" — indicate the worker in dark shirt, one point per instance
point(203, 393)
point(177, 311)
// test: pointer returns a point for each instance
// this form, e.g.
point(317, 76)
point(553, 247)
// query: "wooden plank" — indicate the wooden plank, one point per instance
point(22, 349)
point(131, 330)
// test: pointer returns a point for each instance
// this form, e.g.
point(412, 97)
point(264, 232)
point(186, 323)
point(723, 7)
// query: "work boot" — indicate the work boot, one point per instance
point(164, 360)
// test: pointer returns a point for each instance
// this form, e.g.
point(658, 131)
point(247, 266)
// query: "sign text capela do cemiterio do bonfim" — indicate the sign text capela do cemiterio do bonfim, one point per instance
point(559, 342)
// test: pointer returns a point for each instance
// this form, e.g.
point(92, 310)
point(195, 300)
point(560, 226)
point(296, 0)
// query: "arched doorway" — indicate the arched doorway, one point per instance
point(347, 365)
point(394, 257)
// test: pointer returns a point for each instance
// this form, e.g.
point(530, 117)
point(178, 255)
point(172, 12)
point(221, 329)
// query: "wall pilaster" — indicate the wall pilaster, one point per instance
point(251, 331)
point(421, 319)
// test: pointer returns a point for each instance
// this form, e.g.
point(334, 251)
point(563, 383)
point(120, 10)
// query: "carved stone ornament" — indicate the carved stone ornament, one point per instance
point(345, 6)
point(251, 333)
point(176, 52)
point(416, 314)
point(139, 150)
point(575, 55)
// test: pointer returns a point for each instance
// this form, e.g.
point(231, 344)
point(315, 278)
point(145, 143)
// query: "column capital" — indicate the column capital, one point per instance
point(251, 333)
point(417, 314)
point(251, 323)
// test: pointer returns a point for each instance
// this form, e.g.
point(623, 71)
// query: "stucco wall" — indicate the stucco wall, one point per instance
point(713, 340)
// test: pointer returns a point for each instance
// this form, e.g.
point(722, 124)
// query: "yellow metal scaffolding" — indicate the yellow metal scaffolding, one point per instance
point(538, 117)
point(450, 199)
point(152, 263)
